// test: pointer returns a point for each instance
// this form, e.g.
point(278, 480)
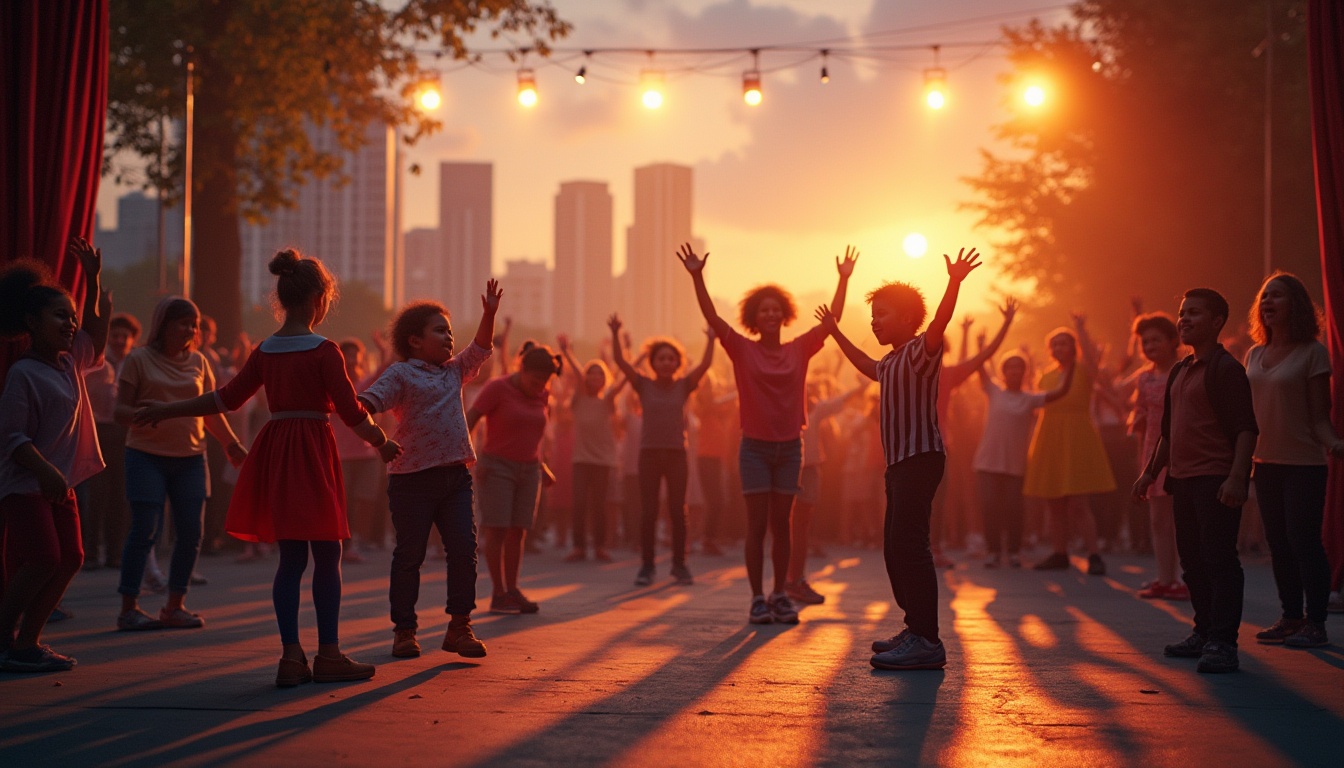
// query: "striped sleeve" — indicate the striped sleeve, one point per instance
point(908, 377)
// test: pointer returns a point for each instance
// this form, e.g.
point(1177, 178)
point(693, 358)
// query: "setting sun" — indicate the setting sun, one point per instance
point(915, 245)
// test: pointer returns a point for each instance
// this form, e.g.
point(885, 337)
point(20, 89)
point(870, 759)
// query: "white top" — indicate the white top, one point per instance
point(1281, 407)
point(1008, 426)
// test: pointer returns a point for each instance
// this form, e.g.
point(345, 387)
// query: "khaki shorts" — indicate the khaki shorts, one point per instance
point(507, 491)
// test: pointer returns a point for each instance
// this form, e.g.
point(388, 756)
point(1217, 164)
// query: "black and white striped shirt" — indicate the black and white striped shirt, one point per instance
point(908, 378)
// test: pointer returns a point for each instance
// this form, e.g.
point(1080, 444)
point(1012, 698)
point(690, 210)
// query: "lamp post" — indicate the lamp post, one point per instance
point(186, 191)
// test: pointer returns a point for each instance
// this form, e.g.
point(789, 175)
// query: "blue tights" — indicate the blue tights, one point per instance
point(326, 588)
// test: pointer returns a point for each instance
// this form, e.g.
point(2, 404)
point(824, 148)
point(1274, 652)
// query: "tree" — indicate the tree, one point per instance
point(1142, 173)
point(267, 71)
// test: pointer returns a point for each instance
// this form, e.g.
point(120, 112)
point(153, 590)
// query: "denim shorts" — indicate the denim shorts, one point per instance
point(507, 491)
point(770, 467)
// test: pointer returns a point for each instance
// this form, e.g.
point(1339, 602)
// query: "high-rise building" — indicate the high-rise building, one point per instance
point(136, 237)
point(527, 289)
point(424, 255)
point(657, 291)
point(583, 285)
point(351, 222)
point(466, 216)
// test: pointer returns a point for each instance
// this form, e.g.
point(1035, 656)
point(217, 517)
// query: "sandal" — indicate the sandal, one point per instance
point(180, 619)
point(137, 621)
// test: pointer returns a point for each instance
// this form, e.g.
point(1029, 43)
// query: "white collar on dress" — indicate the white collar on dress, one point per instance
point(281, 344)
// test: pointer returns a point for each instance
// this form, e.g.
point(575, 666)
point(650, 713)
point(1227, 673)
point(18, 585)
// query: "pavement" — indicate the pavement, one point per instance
point(1044, 669)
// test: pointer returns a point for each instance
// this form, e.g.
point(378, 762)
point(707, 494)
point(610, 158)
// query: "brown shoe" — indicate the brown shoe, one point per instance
point(340, 670)
point(462, 641)
point(404, 645)
point(292, 672)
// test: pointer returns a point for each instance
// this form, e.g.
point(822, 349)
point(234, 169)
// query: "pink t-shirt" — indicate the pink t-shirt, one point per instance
point(48, 406)
point(771, 383)
point(515, 422)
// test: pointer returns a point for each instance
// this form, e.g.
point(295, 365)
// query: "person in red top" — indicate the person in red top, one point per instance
point(290, 489)
point(771, 379)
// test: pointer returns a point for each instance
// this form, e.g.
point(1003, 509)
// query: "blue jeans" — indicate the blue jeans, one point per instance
point(151, 479)
point(438, 496)
point(767, 466)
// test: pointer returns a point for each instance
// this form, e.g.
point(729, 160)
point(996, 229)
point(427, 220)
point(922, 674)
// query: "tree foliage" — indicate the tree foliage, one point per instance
point(1143, 171)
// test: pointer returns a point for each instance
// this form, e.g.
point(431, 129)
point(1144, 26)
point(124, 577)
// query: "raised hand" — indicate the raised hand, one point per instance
point(966, 323)
point(614, 323)
point(690, 260)
point(846, 267)
point(1009, 308)
point(490, 299)
point(562, 341)
point(1136, 303)
point(380, 341)
point(826, 318)
point(980, 341)
point(963, 266)
point(1079, 319)
point(90, 258)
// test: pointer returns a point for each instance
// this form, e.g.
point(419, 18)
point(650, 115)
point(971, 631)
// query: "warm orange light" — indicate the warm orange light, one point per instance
point(935, 87)
point(651, 88)
point(915, 245)
point(935, 99)
point(1034, 95)
point(527, 88)
point(429, 98)
point(751, 88)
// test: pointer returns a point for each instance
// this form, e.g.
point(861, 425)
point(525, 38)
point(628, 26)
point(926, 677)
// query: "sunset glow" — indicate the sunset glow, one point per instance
point(915, 245)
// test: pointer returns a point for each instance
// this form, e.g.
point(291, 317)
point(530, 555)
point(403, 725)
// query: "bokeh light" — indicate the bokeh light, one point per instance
point(915, 245)
point(1034, 95)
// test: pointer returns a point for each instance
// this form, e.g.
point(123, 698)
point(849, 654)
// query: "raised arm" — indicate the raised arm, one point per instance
point(617, 352)
point(845, 268)
point(97, 311)
point(485, 332)
point(1091, 356)
point(1064, 386)
point(962, 371)
point(696, 266)
point(956, 273)
point(567, 351)
point(706, 360)
point(860, 360)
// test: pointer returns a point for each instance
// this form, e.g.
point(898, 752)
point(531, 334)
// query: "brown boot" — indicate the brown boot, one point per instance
point(340, 670)
point(292, 672)
point(404, 645)
point(461, 640)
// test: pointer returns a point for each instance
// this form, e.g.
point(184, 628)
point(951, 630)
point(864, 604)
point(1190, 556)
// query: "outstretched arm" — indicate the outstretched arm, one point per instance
point(696, 266)
point(956, 273)
point(485, 332)
point(204, 405)
point(617, 351)
point(962, 371)
point(97, 312)
point(845, 268)
point(567, 350)
point(866, 365)
point(1091, 355)
point(706, 360)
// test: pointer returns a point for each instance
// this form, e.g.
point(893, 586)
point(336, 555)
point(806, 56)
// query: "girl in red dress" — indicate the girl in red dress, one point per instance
point(290, 488)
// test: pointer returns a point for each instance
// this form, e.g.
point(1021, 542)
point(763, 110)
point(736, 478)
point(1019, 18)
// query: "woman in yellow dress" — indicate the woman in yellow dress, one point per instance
point(1067, 462)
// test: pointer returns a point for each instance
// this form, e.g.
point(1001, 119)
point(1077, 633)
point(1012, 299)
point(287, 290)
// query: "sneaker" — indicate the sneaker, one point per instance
point(993, 561)
point(882, 646)
point(292, 672)
point(760, 611)
point(1057, 561)
point(1095, 566)
point(137, 621)
point(1280, 631)
point(802, 592)
point(914, 652)
point(342, 669)
point(404, 644)
point(37, 659)
point(504, 604)
point(1153, 590)
point(462, 641)
point(180, 618)
point(1311, 635)
point(711, 549)
point(682, 575)
point(1191, 647)
point(782, 610)
point(1177, 591)
point(645, 577)
point(601, 555)
point(1218, 657)
point(576, 556)
point(524, 605)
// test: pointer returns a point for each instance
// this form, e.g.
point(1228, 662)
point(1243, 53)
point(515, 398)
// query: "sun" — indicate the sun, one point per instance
point(915, 245)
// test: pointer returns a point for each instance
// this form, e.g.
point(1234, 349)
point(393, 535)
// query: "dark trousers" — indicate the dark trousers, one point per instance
point(1001, 502)
point(150, 479)
point(911, 484)
point(590, 503)
point(655, 465)
point(104, 514)
point(711, 485)
point(1292, 505)
point(1206, 540)
point(438, 496)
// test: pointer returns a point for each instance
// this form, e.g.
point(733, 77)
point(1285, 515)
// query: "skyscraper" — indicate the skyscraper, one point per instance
point(527, 288)
point(353, 224)
point(466, 216)
point(658, 292)
point(583, 285)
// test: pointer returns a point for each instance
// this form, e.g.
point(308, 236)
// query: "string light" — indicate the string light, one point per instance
point(527, 88)
point(651, 88)
point(428, 96)
point(825, 74)
point(751, 81)
point(935, 84)
point(581, 76)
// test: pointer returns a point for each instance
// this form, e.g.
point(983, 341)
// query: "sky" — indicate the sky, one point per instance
point(781, 188)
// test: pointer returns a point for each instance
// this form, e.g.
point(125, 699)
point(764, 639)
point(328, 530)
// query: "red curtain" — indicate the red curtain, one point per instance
point(1325, 46)
point(53, 64)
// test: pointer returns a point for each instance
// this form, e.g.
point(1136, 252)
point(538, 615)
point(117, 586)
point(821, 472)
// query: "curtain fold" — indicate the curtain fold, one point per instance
point(1325, 50)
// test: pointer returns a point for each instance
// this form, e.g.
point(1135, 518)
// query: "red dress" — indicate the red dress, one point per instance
point(290, 487)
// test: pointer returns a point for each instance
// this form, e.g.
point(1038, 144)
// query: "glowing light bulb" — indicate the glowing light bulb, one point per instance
point(430, 99)
point(527, 88)
point(751, 87)
point(935, 99)
point(651, 88)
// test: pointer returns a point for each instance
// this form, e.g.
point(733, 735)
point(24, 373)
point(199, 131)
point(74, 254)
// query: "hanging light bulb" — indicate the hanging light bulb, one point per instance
point(935, 87)
point(825, 74)
point(527, 88)
point(581, 76)
point(751, 87)
point(428, 97)
point(651, 88)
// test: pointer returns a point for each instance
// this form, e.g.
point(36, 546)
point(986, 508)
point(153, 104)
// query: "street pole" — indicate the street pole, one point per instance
point(1268, 245)
point(186, 191)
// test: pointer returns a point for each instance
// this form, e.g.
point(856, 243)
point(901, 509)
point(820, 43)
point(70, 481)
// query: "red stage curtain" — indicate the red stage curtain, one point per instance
point(53, 64)
point(1325, 41)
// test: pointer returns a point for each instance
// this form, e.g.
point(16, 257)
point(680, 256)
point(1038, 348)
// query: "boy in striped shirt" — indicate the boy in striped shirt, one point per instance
point(908, 378)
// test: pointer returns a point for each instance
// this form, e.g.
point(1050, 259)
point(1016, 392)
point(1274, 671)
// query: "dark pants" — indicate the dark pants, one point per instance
point(911, 484)
point(150, 479)
point(711, 485)
point(1292, 504)
point(590, 504)
point(104, 515)
point(1206, 540)
point(1001, 501)
point(655, 465)
point(438, 496)
point(40, 543)
point(288, 583)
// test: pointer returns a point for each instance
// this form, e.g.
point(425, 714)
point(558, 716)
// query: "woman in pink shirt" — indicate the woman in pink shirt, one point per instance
point(771, 379)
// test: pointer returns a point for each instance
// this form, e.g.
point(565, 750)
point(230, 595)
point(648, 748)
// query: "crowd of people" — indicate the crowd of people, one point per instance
point(106, 460)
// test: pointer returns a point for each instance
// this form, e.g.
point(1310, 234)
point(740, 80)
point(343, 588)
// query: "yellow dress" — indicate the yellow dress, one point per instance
point(1067, 457)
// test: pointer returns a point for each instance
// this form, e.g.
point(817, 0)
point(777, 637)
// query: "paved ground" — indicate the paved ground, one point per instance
point(1045, 669)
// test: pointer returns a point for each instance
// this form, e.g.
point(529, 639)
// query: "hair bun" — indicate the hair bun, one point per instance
point(284, 262)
